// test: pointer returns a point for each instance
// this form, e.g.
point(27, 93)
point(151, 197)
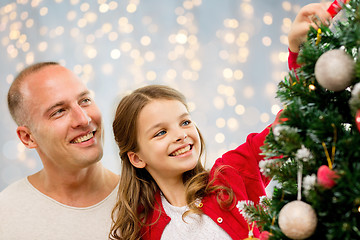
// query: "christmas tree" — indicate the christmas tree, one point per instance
point(313, 149)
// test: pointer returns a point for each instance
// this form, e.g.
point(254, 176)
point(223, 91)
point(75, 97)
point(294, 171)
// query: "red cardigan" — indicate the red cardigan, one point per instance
point(242, 175)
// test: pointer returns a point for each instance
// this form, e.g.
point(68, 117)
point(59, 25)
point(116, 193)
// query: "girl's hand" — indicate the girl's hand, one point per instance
point(310, 15)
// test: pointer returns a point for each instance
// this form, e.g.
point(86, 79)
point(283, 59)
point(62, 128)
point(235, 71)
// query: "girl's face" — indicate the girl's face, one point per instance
point(169, 143)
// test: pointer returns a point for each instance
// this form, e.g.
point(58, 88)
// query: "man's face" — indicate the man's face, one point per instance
point(65, 124)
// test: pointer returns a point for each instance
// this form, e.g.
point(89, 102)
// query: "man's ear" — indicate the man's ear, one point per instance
point(136, 160)
point(26, 137)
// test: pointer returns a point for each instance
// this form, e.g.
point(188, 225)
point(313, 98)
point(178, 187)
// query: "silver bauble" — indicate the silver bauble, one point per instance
point(297, 220)
point(334, 70)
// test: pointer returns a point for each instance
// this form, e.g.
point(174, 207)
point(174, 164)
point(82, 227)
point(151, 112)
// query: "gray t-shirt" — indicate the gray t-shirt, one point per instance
point(27, 214)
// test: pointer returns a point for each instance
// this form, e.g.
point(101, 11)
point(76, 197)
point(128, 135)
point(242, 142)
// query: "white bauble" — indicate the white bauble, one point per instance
point(297, 220)
point(334, 70)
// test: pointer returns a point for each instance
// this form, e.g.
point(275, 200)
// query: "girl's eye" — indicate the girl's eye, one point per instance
point(162, 132)
point(186, 122)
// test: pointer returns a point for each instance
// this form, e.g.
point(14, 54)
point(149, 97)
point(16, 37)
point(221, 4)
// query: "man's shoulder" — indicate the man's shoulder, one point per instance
point(14, 191)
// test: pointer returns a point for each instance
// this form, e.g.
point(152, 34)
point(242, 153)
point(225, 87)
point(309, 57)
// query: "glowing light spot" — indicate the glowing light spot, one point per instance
point(135, 53)
point(107, 69)
point(42, 46)
point(312, 87)
point(9, 80)
point(227, 73)
point(195, 65)
point(229, 38)
point(113, 36)
point(233, 124)
point(264, 117)
point(220, 122)
point(145, 41)
point(90, 52)
point(247, 9)
point(223, 54)
point(239, 109)
point(84, 7)
point(113, 5)
point(268, 19)
point(249, 92)
point(81, 22)
point(131, 8)
point(90, 17)
point(43, 11)
point(15, 34)
point(218, 103)
point(275, 109)
point(181, 20)
point(231, 101)
point(283, 56)
point(71, 15)
point(219, 138)
point(238, 74)
point(125, 46)
point(171, 73)
point(29, 59)
point(286, 6)
point(181, 38)
point(284, 39)
point(115, 54)
point(188, 5)
point(106, 27)
point(151, 75)
point(266, 41)
point(103, 8)
point(29, 23)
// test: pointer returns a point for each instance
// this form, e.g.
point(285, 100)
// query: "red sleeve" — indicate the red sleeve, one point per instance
point(246, 157)
point(292, 60)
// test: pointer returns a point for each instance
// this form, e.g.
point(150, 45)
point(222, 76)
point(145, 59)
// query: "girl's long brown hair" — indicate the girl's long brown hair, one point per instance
point(136, 195)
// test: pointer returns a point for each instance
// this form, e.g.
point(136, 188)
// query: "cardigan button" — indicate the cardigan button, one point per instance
point(219, 220)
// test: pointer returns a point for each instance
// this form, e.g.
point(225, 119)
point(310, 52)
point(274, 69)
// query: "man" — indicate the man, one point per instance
point(73, 195)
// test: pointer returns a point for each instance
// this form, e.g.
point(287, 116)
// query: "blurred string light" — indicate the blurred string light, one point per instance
point(110, 35)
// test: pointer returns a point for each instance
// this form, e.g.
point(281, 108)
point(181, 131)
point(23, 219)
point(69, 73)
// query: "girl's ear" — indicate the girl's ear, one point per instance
point(136, 160)
point(26, 137)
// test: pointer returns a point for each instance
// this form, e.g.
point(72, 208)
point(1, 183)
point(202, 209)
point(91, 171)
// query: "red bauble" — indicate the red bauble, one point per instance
point(357, 119)
point(326, 177)
point(264, 235)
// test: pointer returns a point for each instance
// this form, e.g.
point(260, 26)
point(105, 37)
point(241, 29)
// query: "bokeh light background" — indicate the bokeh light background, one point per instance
point(226, 56)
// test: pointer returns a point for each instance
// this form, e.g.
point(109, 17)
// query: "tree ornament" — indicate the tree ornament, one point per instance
point(297, 220)
point(357, 119)
point(326, 177)
point(264, 235)
point(334, 70)
point(336, 6)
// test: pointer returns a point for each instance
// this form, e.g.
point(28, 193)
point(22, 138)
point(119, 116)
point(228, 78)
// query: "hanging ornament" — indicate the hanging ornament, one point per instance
point(326, 177)
point(264, 235)
point(297, 220)
point(336, 6)
point(334, 70)
point(251, 233)
point(357, 119)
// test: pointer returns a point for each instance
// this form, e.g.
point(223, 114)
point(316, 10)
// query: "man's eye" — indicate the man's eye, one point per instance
point(162, 132)
point(86, 101)
point(57, 113)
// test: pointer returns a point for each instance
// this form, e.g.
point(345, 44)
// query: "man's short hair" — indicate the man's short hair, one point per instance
point(15, 97)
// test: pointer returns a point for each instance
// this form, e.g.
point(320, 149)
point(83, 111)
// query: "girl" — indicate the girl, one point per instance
point(164, 191)
point(162, 176)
